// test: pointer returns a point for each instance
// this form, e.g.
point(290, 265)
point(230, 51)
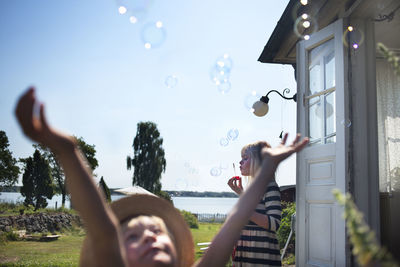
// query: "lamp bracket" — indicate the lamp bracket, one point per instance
point(286, 90)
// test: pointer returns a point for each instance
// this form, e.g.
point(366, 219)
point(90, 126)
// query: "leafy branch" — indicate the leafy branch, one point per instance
point(390, 57)
point(365, 246)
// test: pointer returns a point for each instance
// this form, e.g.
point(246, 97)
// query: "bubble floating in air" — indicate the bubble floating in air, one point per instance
point(133, 19)
point(171, 81)
point(220, 73)
point(224, 63)
point(346, 123)
point(305, 25)
point(215, 171)
point(224, 141)
point(353, 37)
point(218, 76)
point(153, 34)
point(250, 99)
point(233, 134)
point(122, 10)
point(138, 9)
point(224, 87)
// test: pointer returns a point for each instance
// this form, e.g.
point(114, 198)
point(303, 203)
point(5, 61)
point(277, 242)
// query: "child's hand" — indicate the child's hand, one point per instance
point(281, 152)
point(36, 128)
point(235, 183)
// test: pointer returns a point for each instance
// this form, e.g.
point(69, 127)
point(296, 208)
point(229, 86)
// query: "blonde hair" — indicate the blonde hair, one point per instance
point(254, 151)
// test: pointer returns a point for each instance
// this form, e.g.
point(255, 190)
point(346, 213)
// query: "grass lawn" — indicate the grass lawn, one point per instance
point(65, 251)
point(62, 252)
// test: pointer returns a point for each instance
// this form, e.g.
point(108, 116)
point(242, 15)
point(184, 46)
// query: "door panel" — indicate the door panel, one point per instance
point(321, 167)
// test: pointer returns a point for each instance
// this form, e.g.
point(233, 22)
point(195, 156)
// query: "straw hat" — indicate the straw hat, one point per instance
point(144, 204)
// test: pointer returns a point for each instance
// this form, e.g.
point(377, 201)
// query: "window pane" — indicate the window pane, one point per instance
point(330, 70)
point(315, 79)
point(330, 113)
point(331, 139)
point(315, 120)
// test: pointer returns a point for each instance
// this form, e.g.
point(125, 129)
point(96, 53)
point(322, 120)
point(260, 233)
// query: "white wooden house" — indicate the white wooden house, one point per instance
point(348, 103)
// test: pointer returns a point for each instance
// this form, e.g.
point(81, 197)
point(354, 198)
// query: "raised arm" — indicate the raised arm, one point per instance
point(222, 244)
point(101, 224)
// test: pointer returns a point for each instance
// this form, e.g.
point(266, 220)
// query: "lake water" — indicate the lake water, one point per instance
point(211, 205)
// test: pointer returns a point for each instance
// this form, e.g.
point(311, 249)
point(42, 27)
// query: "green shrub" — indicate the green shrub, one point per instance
point(284, 229)
point(289, 260)
point(164, 195)
point(12, 236)
point(190, 219)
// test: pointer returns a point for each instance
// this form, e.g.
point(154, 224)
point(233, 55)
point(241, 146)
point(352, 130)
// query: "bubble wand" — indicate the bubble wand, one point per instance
point(234, 172)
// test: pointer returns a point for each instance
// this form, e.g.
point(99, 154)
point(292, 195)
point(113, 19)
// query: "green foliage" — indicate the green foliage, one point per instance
point(106, 190)
point(289, 260)
point(149, 157)
point(57, 172)
point(9, 170)
point(13, 209)
point(190, 219)
point(366, 248)
point(89, 152)
point(164, 195)
point(284, 229)
point(37, 181)
point(390, 57)
point(8, 236)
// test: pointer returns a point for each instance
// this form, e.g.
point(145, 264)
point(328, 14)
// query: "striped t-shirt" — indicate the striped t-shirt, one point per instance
point(258, 246)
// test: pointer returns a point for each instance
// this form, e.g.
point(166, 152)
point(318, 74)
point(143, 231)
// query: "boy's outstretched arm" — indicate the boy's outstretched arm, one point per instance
point(101, 224)
point(222, 245)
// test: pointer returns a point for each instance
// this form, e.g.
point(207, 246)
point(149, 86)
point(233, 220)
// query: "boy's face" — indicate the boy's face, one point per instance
point(147, 242)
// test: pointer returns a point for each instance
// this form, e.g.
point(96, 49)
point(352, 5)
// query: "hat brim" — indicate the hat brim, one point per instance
point(143, 204)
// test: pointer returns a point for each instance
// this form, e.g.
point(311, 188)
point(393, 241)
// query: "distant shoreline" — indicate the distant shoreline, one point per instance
point(172, 193)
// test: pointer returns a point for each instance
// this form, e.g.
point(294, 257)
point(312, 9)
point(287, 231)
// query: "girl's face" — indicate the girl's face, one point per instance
point(147, 243)
point(245, 164)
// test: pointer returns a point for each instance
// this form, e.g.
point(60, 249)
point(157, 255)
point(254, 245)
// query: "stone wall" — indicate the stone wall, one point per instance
point(39, 222)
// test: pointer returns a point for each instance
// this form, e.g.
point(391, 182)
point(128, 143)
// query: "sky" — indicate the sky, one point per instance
point(95, 73)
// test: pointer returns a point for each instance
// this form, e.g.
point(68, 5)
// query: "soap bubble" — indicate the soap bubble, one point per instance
point(153, 34)
point(136, 8)
point(224, 63)
point(353, 37)
point(250, 99)
point(122, 10)
point(215, 171)
point(346, 123)
point(305, 25)
point(133, 19)
point(233, 134)
point(171, 81)
point(223, 141)
point(224, 87)
point(218, 76)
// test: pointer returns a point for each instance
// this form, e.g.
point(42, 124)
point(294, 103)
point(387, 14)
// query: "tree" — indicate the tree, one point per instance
point(9, 171)
point(105, 189)
point(37, 183)
point(148, 161)
point(57, 172)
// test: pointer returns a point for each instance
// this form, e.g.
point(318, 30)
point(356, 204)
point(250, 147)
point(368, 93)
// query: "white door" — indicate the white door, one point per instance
point(321, 79)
